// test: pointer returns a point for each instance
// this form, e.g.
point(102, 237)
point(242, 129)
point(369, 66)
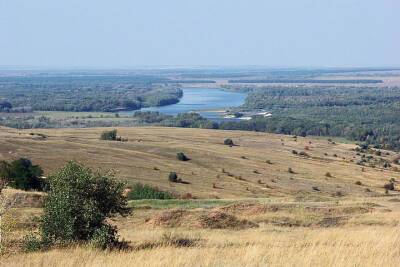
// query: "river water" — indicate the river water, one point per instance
point(205, 101)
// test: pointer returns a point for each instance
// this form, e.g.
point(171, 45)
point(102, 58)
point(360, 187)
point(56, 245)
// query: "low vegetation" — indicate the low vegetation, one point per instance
point(173, 177)
point(182, 157)
point(228, 142)
point(141, 191)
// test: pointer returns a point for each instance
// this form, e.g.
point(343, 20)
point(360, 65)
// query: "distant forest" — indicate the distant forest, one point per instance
point(336, 81)
point(365, 114)
point(85, 94)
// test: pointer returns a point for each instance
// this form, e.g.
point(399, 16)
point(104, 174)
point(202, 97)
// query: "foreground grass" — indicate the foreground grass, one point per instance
point(368, 246)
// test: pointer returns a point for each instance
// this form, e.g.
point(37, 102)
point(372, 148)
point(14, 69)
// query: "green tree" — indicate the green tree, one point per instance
point(78, 203)
point(22, 174)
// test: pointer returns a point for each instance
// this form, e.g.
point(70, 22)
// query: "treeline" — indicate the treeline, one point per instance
point(366, 114)
point(79, 94)
point(366, 81)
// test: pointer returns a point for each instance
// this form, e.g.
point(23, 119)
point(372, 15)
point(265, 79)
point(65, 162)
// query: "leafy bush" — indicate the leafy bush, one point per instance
point(109, 135)
point(173, 177)
point(32, 243)
point(106, 237)
point(228, 142)
point(182, 157)
point(140, 191)
point(22, 174)
point(78, 204)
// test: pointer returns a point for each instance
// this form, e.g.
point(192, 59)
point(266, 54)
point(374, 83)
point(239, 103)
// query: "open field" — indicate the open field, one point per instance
point(215, 170)
point(249, 212)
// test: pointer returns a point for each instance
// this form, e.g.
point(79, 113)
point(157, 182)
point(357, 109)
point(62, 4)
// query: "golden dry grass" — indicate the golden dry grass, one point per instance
point(246, 173)
point(369, 236)
point(323, 247)
point(297, 225)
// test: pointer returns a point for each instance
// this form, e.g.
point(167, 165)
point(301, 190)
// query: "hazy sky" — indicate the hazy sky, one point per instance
point(128, 33)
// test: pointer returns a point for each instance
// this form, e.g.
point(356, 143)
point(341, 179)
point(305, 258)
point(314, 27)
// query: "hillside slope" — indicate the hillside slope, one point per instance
point(215, 170)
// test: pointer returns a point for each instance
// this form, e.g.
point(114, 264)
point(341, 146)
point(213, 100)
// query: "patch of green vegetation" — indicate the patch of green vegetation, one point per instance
point(140, 191)
point(179, 203)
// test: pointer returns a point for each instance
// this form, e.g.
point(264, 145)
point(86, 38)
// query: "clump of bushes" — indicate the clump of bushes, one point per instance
point(109, 135)
point(77, 207)
point(22, 174)
point(112, 136)
point(358, 183)
point(228, 142)
point(182, 157)
point(328, 174)
point(140, 191)
point(290, 170)
point(294, 152)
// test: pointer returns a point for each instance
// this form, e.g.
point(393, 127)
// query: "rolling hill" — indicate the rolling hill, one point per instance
point(259, 165)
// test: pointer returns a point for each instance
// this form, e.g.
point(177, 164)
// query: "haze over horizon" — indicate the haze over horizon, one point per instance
point(123, 34)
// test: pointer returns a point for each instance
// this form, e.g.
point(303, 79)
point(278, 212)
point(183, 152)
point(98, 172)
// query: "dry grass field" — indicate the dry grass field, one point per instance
point(239, 171)
point(250, 210)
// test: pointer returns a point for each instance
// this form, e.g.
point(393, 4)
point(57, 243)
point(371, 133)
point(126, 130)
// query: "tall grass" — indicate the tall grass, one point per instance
point(368, 246)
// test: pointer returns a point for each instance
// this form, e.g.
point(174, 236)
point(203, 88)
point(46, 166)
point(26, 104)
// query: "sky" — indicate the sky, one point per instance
point(132, 33)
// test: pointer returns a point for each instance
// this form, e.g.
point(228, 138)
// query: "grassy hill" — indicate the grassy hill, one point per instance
point(258, 166)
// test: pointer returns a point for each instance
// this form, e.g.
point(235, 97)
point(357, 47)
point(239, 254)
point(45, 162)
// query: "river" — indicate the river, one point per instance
point(208, 102)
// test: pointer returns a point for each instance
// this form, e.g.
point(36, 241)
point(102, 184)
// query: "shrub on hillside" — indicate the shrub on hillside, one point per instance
point(109, 135)
point(78, 204)
point(173, 177)
point(304, 154)
point(182, 157)
point(228, 142)
point(22, 174)
point(140, 191)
